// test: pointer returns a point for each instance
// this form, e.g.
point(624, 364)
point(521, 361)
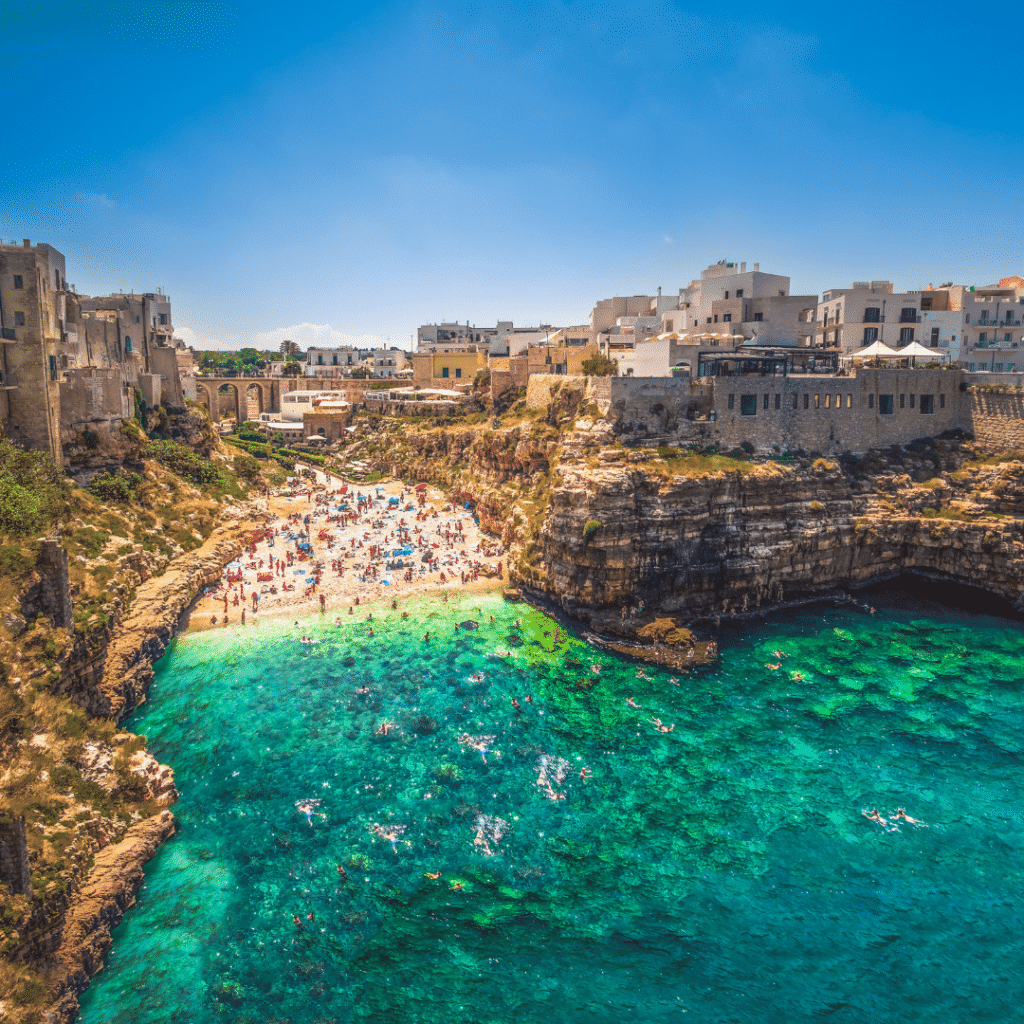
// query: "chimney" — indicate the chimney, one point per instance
point(743, 268)
point(27, 242)
point(659, 291)
point(757, 267)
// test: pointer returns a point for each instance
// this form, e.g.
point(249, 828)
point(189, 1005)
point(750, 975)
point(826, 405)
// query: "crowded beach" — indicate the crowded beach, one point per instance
point(337, 547)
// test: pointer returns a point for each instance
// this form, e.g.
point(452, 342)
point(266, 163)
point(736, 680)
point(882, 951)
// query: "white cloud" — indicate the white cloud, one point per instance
point(99, 200)
point(304, 335)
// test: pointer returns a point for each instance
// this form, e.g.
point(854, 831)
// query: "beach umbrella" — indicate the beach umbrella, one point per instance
point(876, 350)
point(421, 487)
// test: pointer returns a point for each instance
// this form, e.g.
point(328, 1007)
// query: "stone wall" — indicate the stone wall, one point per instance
point(14, 870)
point(164, 361)
point(996, 419)
point(874, 408)
point(93, 399)
point(48, 591)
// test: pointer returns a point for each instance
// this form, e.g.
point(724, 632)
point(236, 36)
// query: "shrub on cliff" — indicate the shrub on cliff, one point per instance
point(246, 466)
point(590, 528)
point(600, 366)
point(33, 491)
point(117, 486)
point(181, 460)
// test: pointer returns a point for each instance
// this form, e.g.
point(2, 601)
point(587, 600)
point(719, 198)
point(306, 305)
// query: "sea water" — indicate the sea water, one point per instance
point(569, 861)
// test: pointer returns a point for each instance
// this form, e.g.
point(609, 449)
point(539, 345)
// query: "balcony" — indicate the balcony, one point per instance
point(909, 319)
point(7, 334)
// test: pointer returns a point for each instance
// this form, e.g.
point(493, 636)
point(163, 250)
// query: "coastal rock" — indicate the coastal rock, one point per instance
point(101, 904)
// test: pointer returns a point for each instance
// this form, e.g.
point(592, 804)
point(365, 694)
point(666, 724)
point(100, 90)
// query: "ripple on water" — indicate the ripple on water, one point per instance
point(591, 868)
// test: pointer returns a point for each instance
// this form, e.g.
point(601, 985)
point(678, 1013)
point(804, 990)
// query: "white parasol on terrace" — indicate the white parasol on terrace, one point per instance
point(876, 350)
point(915, 350)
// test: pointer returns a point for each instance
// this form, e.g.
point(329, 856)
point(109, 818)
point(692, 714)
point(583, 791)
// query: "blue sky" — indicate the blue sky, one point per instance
point(336, 171)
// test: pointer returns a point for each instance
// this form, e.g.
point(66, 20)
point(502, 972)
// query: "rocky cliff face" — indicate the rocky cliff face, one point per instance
point(698, 546)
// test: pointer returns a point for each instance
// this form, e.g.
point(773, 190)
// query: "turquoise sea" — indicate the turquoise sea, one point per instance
point(592, 868)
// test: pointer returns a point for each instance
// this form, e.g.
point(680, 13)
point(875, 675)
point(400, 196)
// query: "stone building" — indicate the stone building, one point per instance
point(33, 300)
point(71, 361)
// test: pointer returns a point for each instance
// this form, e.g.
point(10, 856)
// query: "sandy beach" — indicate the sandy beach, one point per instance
point(335, 546)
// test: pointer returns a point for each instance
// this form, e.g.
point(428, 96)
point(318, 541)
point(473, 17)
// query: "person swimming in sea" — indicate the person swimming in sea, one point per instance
point(661, 727)
point(903, 816)
point(630, 703)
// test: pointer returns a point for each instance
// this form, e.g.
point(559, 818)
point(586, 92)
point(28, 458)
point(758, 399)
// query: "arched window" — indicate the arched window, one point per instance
point(127, 343)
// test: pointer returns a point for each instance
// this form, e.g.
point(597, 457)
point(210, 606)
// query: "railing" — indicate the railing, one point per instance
point(909, 319)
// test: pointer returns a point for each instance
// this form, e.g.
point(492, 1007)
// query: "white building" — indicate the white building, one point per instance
point(992, 325)
point(340, 362)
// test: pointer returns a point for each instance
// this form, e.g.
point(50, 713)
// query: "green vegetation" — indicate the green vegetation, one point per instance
point(600, 366)
point(33, 491)
point(119, 486)
point(590, 528)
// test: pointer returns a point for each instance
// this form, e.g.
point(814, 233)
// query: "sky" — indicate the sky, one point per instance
point(345, 172)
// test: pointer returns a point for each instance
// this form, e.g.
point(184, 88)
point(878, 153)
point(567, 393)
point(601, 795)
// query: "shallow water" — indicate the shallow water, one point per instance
point(720, 872)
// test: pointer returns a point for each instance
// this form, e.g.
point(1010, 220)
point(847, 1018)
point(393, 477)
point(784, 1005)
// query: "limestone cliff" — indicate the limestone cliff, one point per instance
point(700, 545)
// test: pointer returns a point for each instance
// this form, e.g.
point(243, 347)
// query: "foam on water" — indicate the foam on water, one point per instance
point(720, 872)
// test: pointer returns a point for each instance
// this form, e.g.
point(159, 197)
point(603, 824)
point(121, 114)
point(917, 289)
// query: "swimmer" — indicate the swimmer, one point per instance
point(779, 654)
point(661, 727)
point(457, 887)
point(426, 636)
point(384, 728)
point(673, 680)
point(798, 677)
point(775, 667)
point(529, 698)
point(296, 920)
point(434, 875)
point(516, 704)
point(342, 873)
point(309, 916)
point(586, 773)
point(371, 631)
point(903, 816)
point(596, 669)
point(630, 703)
point(874, 816)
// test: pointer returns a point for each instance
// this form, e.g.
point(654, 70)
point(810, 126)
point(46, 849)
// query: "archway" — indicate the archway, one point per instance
point(204, 396)
point(255, 401)
point(223, 391)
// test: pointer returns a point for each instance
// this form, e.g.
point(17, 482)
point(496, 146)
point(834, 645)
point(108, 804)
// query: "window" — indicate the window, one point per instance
point(320, 360)
point(870, 335)
point(807, 400)
point(757, 317)
point(19, 318)
point(732, 401)
point(668, 327)
point(935, 337)
point(927, 404)
point(727, 319)
point(727, 295)
point(839, 401)
point(942, 398)
point(828, 401)
point(335, 360)
point(444, 371)
point(748, 405)
point(871, 401)
point(795, 397)
point(458, 371)
point(716, 318)
point(903, 401)
point(778, 401)
point(911, 401)
point(872, 315)
point(1007, 336)
point(997, 368)
point(885, 405)
point(849, 401)
point(764, 404)
point(18, 282)
point(127, 343)
point(817, 401)
point(739, 293)
point(138, 320)
point(908, 315)
point(163, 319)
point(906, 335)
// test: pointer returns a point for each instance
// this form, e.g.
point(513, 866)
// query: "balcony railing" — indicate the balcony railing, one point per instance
point(909, 319)
point(984, 322)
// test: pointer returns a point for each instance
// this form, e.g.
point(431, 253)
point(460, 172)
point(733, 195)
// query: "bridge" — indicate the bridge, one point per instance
point(268, 390)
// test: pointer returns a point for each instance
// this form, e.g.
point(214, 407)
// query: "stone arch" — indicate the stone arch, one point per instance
point(255, 389)
point(205, 397)
point(237, 389)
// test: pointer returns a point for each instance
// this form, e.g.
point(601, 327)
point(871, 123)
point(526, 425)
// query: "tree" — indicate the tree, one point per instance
point(249, 356)
point(288, 348)
point(292, 369)
point(600, 366)
point(361, 372)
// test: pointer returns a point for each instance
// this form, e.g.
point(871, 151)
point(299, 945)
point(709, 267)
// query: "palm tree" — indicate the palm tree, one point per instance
point(288, 348)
